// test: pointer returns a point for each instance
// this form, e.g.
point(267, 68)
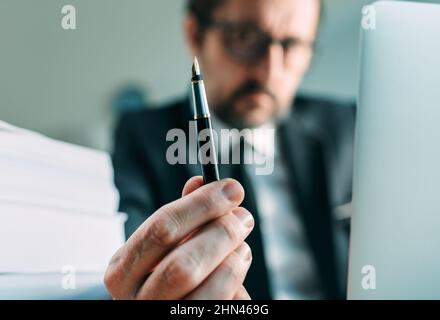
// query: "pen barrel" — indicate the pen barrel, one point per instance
point(200, 101)
point(207, 154)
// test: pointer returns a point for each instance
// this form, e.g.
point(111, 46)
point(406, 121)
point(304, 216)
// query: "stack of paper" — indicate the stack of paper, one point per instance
point(58, 209)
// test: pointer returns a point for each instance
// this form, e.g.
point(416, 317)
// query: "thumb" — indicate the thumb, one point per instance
point(192, 184)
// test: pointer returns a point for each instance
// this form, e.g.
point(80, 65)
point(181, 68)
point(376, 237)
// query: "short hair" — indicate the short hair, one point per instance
point(202, 9)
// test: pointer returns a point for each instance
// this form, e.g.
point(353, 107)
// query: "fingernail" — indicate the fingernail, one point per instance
point(244, 251)
point(233, 191)
point(245, 217)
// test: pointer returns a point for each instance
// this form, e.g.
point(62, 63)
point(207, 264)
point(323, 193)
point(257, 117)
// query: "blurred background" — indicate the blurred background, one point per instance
point(69, 84)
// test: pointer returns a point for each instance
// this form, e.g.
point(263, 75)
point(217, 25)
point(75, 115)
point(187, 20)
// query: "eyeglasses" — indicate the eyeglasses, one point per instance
point(248, 44)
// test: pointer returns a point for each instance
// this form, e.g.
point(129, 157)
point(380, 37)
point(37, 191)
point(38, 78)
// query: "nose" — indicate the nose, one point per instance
point(271, 66)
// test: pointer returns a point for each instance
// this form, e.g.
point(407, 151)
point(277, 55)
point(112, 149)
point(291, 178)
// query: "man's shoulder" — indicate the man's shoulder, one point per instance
point(324, 116)
point(156, 115)
point(323, 107)
point(332, 123)
point(148, 127)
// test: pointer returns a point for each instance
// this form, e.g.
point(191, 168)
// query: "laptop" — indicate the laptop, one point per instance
point(395, 226)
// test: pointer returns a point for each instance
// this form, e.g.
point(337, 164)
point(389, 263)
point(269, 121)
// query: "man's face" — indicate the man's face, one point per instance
point(246, 89)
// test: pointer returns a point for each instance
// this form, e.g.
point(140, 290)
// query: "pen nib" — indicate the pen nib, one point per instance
point(195, 68)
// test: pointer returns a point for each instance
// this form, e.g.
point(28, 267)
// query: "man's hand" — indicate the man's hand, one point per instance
point(192, 248)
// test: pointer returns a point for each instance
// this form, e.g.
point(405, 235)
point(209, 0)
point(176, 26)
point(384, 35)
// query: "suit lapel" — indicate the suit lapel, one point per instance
point(305, 162)
point(185, 121)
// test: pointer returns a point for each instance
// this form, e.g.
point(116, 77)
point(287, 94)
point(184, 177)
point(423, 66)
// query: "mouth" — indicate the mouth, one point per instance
point(255, 102)
point(256, 94)
point(257, 97)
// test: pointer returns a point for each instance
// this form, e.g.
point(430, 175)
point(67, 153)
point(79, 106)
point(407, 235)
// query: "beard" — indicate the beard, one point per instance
point(227, 110)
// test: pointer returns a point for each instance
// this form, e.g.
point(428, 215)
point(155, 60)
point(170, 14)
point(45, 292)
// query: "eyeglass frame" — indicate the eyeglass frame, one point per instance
point(269, 40)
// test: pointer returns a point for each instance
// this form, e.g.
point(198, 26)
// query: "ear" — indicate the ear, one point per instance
point(190, 30)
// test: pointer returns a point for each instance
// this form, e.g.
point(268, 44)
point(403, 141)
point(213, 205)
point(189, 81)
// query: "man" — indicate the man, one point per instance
point(254, 54)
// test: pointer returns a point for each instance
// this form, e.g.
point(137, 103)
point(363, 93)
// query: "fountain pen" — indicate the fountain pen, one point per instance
point(206, 148)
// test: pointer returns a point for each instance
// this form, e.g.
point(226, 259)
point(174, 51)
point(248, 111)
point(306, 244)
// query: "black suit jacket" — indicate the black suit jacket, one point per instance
point(317, 143)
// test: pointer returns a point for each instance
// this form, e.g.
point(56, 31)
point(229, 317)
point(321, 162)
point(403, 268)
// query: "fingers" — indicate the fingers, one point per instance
point(163, 230)
point(190, 264)
point(242, 294)
point(227, 279)
point(192, 184)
